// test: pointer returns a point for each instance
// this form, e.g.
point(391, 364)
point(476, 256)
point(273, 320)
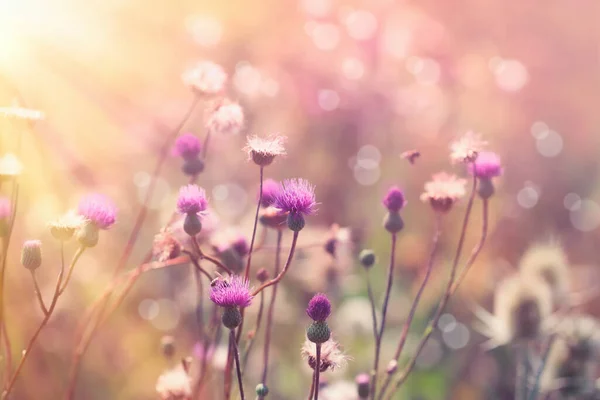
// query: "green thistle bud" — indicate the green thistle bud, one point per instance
point(232, 317)
point(262, 390)
point(88, 235)
point(193, 166)
point(393, 222)
point(295, 222)
point(192, 225)
point(486, 188)
point(31, 254)
point(367, 258)
point(318, 332)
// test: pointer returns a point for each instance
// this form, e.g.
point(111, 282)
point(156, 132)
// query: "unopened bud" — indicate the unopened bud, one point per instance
point(167, 344)
point(367, 258)
point(31, 254)
point(393, 222)
point(88, 235)
point(262, 275)
point(191, 224)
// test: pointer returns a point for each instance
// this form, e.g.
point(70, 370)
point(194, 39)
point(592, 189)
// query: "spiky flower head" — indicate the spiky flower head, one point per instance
point(319, 307)
point(296, 196)
point(64, 227)
point(443, 191)
point(487, 165)
point(174, 384)
point(232, 292)
point(394, 199)
point(205, 78)
point(31, 254)
point(192, 200)
point(270, 190)
point(187, 146)
point(98, 209)
point(264, 150)
point(466, 148)
point(332, 356)
point(225, 118)
point(10, 166)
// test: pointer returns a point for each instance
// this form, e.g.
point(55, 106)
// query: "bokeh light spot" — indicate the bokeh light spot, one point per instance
point(586, 218)
point(539, 130)
point(168, 315)
point(528, 197)
point(361, 25)
point(572, 202)
point(148, 309)
point(457, 338)
point(328, 100)
point(447, 322)
point(550, 145)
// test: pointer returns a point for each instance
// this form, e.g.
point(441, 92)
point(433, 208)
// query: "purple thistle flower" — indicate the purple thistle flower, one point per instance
point(234, 292)
point(187, 146)
point(241, 246)
point(296, 196)
point(270, 191)
point(4, 208)
point(319, 307)
point(98, 209)
point(394, 199)
point(487, 165)
point(191, 200)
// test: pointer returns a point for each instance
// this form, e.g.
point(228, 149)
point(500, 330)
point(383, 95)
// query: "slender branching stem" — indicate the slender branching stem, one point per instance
point(386, 299)
point(47, 316)
point(209, 258)
point(372, 301)
point(133, 236)
point(249, 260)
point(252, 339)
point(71, 267)
point(200, 308)
point(38, 293)
point(236, 356)
point(442, 305)
point(311, 393)
point(477, 249)
point(280, 276)
point(271, 313)
point(415, 304)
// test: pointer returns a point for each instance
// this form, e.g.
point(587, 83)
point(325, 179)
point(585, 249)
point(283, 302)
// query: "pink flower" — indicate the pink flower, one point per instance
point(98, 209)
point(187, 146)
point(226, 118)
point(486, 166)
point(443, 191)
point(263, 151)
point(206, 78)
point(465, 149)
point(191, 200)
point(233, 292)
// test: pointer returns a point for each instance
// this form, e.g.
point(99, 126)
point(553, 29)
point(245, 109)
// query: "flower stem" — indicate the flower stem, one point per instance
point(372, 301)
point(415, 304)
point(252, 340)
point(71, 267)
point(285, 268)
point(260, 194)
point(312, 386)
point(442, 305)
point(200, 308)
point(236, 356)
point(38, 293)
point(477, 248)
point(522, 372)
point(386, 299)
point(47, 316)
point(538, 375)
point(317, 371)
point(133, 236)
point(271, 312)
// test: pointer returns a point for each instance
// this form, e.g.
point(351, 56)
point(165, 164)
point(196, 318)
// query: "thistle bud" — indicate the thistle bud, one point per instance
point(87, 235)
point(167, 344)
point(362, 385)
point(393, 222)
point(192, 166)
point(318, 332)
point(262, 390)
point(31, 254)
point(262, 275)
point(232, 318)
point(485, 190)
point(367, 258)
point(295, 222)
point(191, 224)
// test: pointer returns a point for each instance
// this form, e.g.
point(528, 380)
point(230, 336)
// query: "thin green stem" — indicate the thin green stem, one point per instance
point(33, 339)
point(415, 304)
point(317, 371)
point(252, 339)
point(386, 299)
point(271, 312)
point(442, 305)
point(236, 356)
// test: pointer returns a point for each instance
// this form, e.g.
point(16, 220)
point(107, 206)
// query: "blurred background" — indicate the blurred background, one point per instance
point(352, 84)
